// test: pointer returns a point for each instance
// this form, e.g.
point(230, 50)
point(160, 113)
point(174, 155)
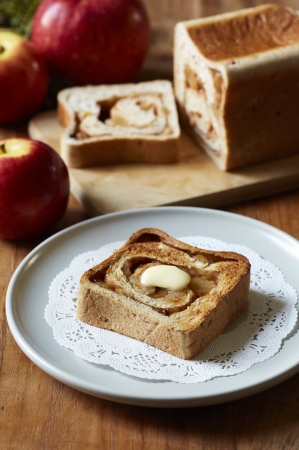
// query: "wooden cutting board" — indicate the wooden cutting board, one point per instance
point(194, 181)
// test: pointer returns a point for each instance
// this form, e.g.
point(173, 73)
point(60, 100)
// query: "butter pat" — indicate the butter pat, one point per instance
point(164, 276)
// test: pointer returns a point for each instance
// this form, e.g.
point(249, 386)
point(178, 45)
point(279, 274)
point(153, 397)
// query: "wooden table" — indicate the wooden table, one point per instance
point(38, 412)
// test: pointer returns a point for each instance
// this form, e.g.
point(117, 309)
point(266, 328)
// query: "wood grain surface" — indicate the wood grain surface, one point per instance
point(193, 181)
point(39, 413)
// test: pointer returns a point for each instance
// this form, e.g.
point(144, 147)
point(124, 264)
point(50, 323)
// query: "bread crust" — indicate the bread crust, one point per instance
point(182, 324)
point(91, 140)
point(235, 80)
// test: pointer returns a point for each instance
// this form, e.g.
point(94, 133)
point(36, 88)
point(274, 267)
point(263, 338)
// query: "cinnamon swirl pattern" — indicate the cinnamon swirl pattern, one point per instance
point(119, 124)
point(179, 321)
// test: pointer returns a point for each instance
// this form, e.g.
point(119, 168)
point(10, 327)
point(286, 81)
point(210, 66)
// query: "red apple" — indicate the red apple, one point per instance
point(92, 41)
point(23, 78)
point(34, 188)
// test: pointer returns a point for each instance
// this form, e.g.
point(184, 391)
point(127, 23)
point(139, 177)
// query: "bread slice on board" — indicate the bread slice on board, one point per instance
point(115, 124)
point(181, 322)
point(236, 84)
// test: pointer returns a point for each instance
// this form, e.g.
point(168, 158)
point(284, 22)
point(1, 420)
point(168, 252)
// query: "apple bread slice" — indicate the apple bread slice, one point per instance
point(114, 124)
point(179, 313)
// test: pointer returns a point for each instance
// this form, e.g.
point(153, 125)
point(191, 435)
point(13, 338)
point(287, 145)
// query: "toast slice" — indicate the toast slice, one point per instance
point(236, 84)
point(116, 124)
point(182, 322)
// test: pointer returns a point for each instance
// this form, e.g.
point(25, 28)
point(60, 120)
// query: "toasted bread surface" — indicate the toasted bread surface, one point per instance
point(181, 322)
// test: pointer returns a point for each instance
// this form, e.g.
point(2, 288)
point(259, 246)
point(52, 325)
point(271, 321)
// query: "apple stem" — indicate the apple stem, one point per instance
point(2, 149)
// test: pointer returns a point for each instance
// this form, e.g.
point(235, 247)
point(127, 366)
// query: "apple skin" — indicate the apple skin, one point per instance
point(34, 188)
point(23, 78)
point(92, 41)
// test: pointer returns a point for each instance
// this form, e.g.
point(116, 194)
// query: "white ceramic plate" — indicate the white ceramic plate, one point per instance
point(27, 297)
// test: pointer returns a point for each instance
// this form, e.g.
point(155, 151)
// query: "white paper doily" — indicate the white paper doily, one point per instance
point(255, 336)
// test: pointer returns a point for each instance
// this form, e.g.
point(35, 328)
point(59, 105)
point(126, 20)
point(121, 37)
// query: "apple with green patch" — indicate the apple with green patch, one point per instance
point(34, 188)
point(23, 78)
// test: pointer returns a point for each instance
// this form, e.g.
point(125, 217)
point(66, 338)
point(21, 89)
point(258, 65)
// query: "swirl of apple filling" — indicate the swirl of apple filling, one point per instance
point(124, 277)
point(143, 114)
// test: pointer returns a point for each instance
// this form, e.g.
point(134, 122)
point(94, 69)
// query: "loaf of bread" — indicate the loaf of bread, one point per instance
point(115, 124)
point(236, 84)
point(159, 290)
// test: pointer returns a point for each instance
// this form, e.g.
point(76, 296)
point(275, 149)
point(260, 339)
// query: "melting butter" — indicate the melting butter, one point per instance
point(164, 276)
